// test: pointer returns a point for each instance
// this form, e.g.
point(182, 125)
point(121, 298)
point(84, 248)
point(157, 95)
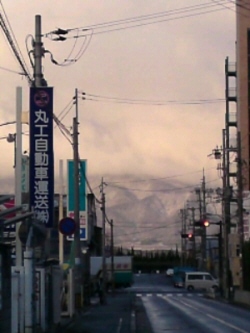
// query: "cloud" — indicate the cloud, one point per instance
point(179, 60)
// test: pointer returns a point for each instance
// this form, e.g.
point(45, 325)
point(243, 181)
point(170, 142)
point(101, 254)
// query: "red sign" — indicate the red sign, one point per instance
point(7, 205)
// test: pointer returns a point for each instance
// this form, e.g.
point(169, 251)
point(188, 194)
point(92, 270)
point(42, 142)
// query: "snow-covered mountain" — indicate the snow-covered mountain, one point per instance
point(146, 214)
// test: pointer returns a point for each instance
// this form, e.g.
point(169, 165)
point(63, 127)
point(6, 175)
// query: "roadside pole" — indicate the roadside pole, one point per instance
point(112, 256)
point(204, 230)
point(18, 170)
point(240, 209)
point(61, 239)
point(78, 266)
point(29, 283)
point(194, 241)
point(104, 282)
point(38, 53)
point(226, 218)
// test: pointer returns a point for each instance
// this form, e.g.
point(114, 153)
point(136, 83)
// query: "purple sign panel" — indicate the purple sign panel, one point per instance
point(41, 154)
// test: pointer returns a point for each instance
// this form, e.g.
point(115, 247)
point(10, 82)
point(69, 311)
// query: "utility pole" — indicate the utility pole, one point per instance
point(76, 184)
point(222, 153)
point(204, 231)
point(18, 170)
point(240, 207)
point(29, 270)
point(38, 54)
point(78, 277)
point(183, 240)
point(220, 257)
point(104, 277)
point(193, 224)
point(198, 192)
point(226, 217)
point(61, 213)
point(112, 255)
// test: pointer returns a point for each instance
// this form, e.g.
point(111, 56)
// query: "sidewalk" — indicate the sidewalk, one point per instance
point(116, 316)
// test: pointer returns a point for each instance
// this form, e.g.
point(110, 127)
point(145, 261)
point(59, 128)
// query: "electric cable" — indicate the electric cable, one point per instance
point(150, 17)
point(160, 178)
point(107, 99)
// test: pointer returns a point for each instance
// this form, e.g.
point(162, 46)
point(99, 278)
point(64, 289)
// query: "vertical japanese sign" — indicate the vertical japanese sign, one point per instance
point(25, 174)
point(82, 196)
point(41, 174)
point(25, 182)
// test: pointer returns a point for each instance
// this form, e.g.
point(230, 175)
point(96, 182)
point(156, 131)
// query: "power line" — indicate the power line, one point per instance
point(107, 99)
point(140, 231)
point(145, 227)
point(195, 11)
point(13, 44)
point(11, 71)
point(159, 178)
point(158, 190)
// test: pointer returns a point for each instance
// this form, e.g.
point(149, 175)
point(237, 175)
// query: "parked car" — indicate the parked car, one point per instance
point(179, 275)
point(170, 272)
point(200, 280)
point(179, 279)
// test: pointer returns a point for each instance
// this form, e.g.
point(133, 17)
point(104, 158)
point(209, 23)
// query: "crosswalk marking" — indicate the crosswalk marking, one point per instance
point(169, 295)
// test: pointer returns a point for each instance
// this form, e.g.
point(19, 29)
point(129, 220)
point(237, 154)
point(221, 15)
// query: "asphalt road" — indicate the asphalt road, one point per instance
point(176, 310)
point(153, 305)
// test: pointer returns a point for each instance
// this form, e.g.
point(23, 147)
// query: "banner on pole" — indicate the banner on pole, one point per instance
point(82, 196)
point(41, 180)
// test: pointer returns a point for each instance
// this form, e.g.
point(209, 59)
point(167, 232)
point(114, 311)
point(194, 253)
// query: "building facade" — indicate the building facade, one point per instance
point(243, 84)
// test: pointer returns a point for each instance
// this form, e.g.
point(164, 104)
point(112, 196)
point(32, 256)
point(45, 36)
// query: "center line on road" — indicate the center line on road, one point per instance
point(190, 306)
point(227, 324)
point(119, 326)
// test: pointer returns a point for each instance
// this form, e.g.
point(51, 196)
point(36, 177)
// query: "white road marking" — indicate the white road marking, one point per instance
point(168, 295)
point(227, 324)
point(216, 318)
point(119, 326)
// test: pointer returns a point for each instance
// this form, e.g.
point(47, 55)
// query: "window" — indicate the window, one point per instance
point(208, 277)
point(195, 277)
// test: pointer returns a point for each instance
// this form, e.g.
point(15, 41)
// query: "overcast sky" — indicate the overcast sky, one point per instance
point(154, 91)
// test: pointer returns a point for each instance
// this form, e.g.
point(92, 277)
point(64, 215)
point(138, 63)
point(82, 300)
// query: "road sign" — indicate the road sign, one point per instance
point(83, 225)
point(67, 226)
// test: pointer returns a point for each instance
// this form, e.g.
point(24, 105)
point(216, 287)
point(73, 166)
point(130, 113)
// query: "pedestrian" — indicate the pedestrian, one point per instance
point(100, 290)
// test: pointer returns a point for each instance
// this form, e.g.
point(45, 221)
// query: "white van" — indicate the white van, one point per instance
point(200, 280)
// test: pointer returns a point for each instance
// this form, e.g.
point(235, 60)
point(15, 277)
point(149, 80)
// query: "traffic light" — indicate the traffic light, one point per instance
point(190, 236)
point(203, 223)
